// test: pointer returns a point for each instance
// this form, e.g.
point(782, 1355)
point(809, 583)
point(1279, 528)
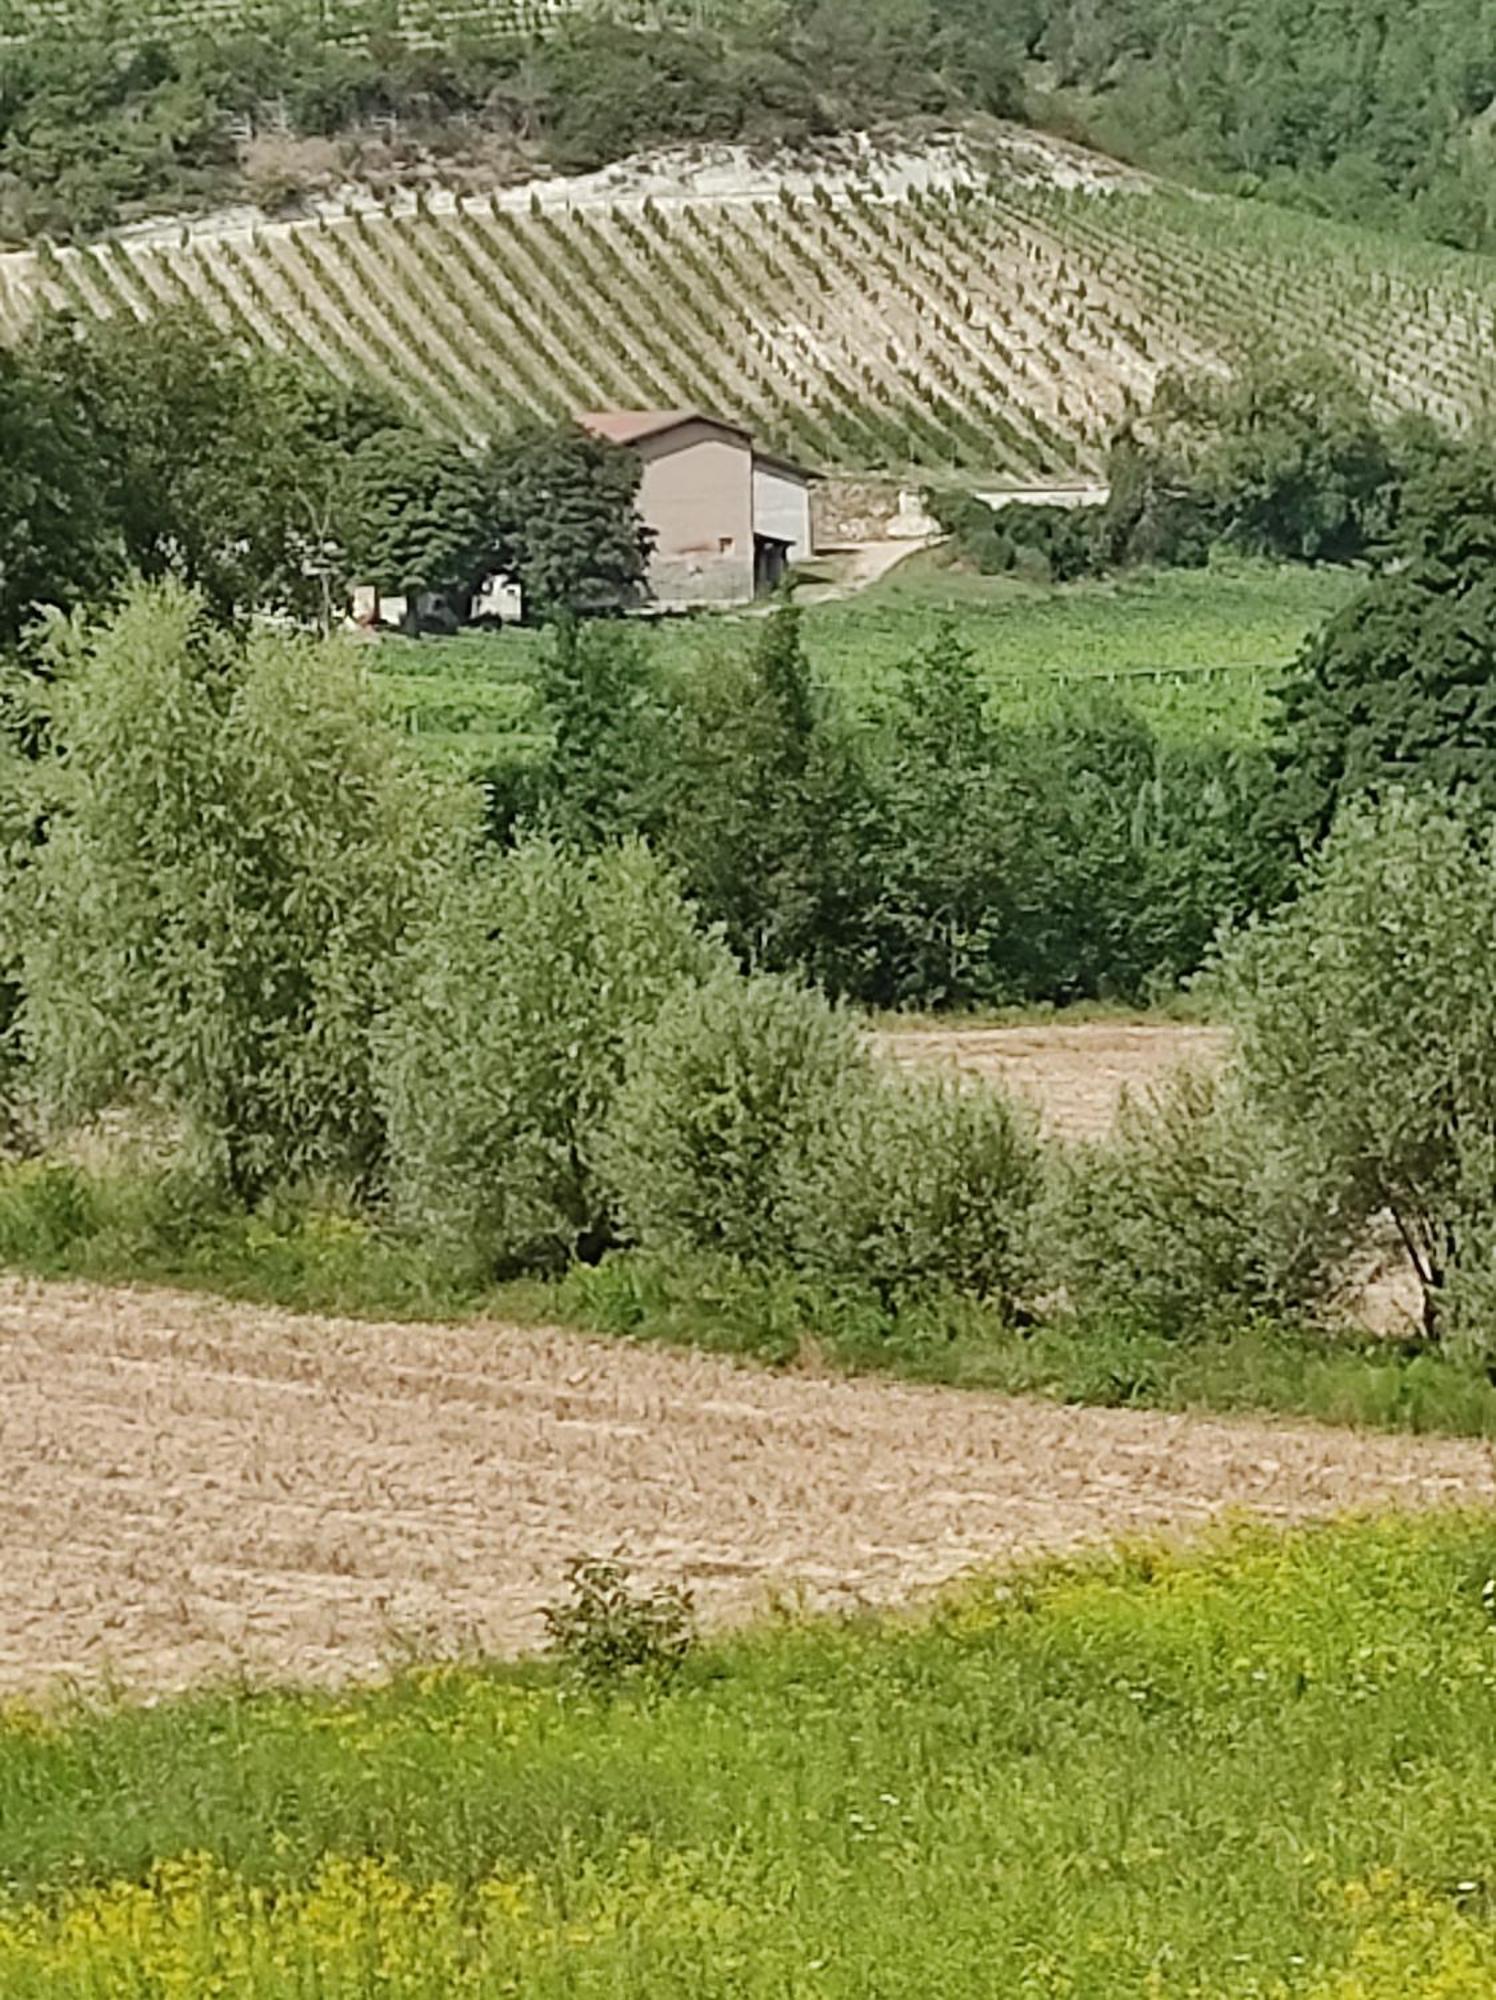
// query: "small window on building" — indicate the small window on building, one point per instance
point(726, 544)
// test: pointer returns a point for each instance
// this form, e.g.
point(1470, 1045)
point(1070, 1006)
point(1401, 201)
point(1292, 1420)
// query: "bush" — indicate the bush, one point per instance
point(1367, 1023)
point(921, 1183)
point(1397, 690)
point(1195, 1211)
point(608, 1632)
point(723, 1100)
point(15, 879)
point(235, 844)
point(1040, 544)
point(503, 1055)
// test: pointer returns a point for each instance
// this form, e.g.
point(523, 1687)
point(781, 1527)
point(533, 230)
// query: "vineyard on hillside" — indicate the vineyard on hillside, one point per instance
point(415, 20)
point(999, 326)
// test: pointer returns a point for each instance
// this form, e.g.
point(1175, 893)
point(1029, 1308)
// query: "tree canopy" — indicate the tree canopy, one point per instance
point(1352, 107)
point(1400, 688)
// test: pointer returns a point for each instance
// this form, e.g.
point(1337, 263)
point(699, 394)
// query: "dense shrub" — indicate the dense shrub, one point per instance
point(609, 1632)
point(1042, 544)
point(504, 1052)
point(1366, 1021)
point(1074, 857)
point(1197, 1210)
point(1285, 459)
point(763, 809)
point(724, 1099)
point(235, 844)
point(920, 1184)
point(15, 882)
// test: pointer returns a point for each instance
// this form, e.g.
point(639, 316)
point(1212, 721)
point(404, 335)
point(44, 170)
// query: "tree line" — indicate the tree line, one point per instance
point(1375, 112)
point(1284, 459)
point(270, 487)
point(234, 905)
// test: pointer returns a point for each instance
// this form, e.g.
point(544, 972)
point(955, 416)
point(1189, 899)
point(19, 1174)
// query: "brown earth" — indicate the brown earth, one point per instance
point(194, 1487)
point(1073, 1075)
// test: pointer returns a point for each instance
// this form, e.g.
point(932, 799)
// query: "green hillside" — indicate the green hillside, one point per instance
point(1370, 112)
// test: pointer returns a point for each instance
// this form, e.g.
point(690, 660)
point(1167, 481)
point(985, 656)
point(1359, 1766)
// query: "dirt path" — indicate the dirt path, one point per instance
point(1075, 1076)
point(193, 1486)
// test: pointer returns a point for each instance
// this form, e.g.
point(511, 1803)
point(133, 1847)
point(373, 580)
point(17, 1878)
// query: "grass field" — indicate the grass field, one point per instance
point(1262, 1771)
point(1195, 651)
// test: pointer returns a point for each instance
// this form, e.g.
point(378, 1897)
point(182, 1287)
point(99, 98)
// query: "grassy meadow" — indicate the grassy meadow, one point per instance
point(1262, 1770)
point(1195, 651)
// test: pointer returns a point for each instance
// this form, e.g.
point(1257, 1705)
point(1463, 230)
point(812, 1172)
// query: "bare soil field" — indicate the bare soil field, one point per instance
point(1074, 1075)
point(194, 1487)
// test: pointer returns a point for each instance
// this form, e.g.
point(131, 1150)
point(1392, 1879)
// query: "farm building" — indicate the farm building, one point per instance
point(728, 519)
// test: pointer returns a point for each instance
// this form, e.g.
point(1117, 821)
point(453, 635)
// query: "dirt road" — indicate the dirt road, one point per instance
point(193, 1487)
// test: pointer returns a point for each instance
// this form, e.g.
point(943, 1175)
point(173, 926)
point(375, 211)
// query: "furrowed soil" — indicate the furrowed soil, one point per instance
point(194, 1487)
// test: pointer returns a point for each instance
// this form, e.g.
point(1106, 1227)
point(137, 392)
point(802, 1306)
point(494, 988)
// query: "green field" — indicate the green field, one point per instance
point(1263, 1771)
point(1196, 651)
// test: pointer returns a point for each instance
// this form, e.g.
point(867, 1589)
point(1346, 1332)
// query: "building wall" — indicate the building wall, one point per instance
point(781, 508)
point(697, 495)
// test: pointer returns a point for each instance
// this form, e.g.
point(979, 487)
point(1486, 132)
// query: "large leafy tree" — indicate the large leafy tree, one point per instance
point(235, 845)
point(946, 870)
point(58, 543)
point(764, 814)
point(1400, 688)
point(1286, 459)
point(565, 522)
point(416, 516)
point(206, 461)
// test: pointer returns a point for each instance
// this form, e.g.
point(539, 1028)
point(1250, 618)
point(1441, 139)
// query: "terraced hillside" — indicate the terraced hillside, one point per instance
point(995, 318)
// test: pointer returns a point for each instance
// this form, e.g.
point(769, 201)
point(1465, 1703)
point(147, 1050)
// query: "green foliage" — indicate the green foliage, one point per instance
point(15, 885)
point(1367, 1028)
point(920, 1184)
point(1041, 544)
point(505, 1051)
point(415, 518)
point(608, 758)
point(1383, 119)
point(234, 846)
point(1379, 115)
point(1076, 857)
point(1285, 459)
point(101, 123)
point(567, 526)
point(724, 1099)
point(197, 458)
point(56, 545)
point(1400, 688)
point(761, 815)
point(609, 1633)
point(1197, 1212)
point(1089, 1770)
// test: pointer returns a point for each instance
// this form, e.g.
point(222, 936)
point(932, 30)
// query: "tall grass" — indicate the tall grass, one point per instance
point(1264, 1769)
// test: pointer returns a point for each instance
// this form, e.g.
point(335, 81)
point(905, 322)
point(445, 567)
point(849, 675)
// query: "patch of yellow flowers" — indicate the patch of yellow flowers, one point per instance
point(193, 1930)
point(1410, 1944)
